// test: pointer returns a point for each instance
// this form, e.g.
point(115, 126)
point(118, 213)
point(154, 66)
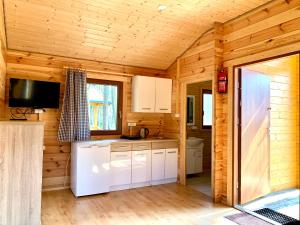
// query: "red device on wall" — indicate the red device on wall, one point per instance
point(222, 81)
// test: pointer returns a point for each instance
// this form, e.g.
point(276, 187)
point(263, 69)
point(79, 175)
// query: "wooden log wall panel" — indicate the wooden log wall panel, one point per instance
point(50, 68)
point(284, 122)
point(2, 61)
point(171, 122)
point(196, 130)
point(200, 63)
point(269, 31)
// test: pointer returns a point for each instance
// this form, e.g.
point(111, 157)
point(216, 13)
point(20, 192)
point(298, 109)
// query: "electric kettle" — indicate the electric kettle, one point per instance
point(144, 132)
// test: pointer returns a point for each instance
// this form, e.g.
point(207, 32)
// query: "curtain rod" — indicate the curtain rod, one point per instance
point(100, 71)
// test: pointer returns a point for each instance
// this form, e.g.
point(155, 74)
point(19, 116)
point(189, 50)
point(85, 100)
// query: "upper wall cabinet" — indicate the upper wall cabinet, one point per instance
point(143, 94)
point(150, 94)
point(163, 95)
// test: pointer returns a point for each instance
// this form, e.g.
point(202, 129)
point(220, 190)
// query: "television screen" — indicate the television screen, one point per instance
point(33, 94)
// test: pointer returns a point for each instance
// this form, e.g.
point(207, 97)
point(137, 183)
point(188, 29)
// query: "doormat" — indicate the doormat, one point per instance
point(276, 216)
point(246, 219)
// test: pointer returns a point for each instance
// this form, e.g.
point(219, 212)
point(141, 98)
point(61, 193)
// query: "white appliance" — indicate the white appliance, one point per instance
point(90, 168)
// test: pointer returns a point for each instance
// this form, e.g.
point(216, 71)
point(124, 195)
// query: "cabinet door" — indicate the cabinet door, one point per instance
point(198, 161)
point(163, 89)
point(143, 94)
point(120, 164)
point(158, 164)
point(171, 163)
point(190, 161)
point(141, 166)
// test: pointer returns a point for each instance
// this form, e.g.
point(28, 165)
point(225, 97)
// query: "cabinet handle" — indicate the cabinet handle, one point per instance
point(121, 156)
point(146, 108)
point(172, 152)
point(158, 153)
point(142, 146)
point(141, 154)
point(163, 109)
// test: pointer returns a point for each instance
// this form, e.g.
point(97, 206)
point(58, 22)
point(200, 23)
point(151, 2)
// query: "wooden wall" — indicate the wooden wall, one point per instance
point(196, 130)
point(2, 61)
point(268, 31)
point(284, 120)
point(199, 63)
point(50, 68)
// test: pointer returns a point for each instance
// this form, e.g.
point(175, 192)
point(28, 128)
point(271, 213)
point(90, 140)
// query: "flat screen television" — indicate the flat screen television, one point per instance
point(33, 94)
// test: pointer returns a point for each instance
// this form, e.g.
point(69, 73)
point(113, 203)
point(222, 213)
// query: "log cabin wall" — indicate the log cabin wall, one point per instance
point(284, 120)
point(200, 63)
point(196, 129)
point(269, 31)
point(50, 68)
point(2, 61)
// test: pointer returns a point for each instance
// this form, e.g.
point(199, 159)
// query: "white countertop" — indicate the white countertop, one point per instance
point(105, 142)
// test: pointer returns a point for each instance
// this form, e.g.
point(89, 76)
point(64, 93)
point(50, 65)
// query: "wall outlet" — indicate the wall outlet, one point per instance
point(131, 124)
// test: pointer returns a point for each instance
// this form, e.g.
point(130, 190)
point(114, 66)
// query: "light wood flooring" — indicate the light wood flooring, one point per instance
point(163, 204)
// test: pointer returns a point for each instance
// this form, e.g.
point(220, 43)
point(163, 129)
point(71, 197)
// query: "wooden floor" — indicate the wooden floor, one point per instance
point(164, 204)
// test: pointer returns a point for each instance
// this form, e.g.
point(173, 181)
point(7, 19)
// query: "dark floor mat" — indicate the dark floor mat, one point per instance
point(275, 216)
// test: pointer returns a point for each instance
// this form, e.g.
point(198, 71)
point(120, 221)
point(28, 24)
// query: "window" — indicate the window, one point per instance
point(206, 109)
point(105, 106)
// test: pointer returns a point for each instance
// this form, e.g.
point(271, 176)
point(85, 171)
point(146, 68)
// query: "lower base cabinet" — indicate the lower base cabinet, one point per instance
point(158, 166)
point(120, 166)
point(141, 168)
point(171, 165)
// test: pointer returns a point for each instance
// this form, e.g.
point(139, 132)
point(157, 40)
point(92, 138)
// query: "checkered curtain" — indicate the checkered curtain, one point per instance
point(74, 121)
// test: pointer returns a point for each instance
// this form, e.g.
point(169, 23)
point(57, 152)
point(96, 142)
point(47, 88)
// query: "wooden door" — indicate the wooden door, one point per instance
point(254, 135)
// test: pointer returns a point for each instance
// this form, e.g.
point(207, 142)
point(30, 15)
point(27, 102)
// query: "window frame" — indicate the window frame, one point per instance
point(205, 91)
point(119, 85)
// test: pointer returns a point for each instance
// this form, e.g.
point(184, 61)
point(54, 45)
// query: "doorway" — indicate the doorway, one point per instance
point(198, 149)
point(268, 136)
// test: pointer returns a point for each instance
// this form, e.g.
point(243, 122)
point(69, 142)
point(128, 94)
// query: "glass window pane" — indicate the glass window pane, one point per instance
point(207, 109)
point(103, 106)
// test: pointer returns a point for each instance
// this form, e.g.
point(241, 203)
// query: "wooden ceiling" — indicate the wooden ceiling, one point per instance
point(131, 32)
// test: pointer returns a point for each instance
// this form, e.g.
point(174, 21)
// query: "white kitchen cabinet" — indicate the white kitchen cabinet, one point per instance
point(120, 175)
point(141, 168)
point(158, 166)
point(163, 95)
point(143, 94)
point(151, 94)
point(171, 164)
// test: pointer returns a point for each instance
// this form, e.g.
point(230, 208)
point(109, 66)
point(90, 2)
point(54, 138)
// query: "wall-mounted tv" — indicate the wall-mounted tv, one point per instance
point(33, 94)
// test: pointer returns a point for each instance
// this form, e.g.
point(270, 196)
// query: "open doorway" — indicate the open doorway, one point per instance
point(268, 138)
point(199, 136)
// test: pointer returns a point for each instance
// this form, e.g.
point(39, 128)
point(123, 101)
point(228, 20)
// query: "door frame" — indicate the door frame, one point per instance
point(183, 83)
point(236, 143)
